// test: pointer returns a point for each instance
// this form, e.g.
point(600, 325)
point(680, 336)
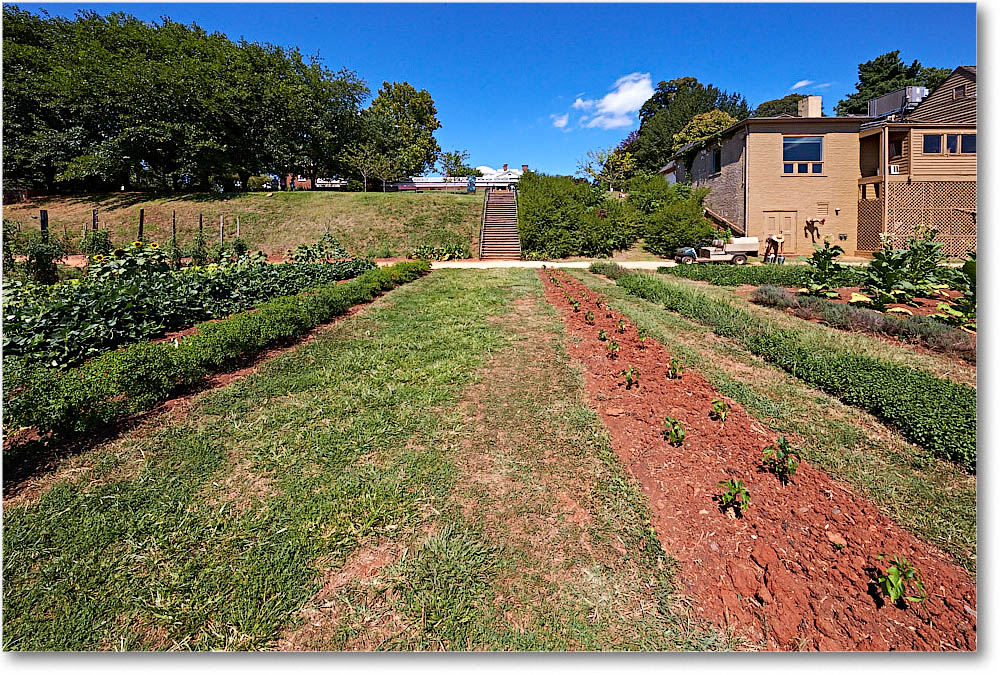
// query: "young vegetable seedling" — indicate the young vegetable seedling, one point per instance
point(642, 338)
point(631, 376)
point(734, 496)
point(612, 348)
point(675, 370)
point(576, 306)
point(602, 336)
point(894, 581)
point(621, 326)
point(720, 409)
point(589, 318)
point(782, 460)
point(673, 431)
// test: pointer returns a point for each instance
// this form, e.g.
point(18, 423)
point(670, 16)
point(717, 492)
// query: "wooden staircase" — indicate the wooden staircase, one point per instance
point(498, 239)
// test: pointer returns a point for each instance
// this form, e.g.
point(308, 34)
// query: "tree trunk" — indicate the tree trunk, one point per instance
point(244, 180)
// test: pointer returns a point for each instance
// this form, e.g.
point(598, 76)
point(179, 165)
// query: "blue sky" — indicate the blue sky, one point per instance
point(541, 84)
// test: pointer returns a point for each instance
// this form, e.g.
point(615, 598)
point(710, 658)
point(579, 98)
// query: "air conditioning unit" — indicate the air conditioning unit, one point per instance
point(894, 169)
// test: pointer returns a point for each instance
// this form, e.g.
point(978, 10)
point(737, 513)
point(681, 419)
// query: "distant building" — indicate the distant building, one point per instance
point(491, 178)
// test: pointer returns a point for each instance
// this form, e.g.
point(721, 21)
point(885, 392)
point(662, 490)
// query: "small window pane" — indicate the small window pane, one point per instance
point(953, 143)
point(803, 148)
point(960, 92)
point(803, 168)
point(817, 168)
point(968, 143)
point(789, 168)
point(932, 143)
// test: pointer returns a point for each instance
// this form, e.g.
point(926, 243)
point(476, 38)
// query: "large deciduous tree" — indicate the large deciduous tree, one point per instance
point(702, 126)
point(673, 104)
point(887, 73)
point(786, 105)
point(409, 120)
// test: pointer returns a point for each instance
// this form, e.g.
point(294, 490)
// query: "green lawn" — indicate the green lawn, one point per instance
point(374, 224)
point(422, 475)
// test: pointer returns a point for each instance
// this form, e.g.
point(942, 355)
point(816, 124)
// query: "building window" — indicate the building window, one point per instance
point(952, 143)
point(932, 144)
point(803, 153)
point(960, 92)
point(895, 148)
point(717, 160)
point(968, 144)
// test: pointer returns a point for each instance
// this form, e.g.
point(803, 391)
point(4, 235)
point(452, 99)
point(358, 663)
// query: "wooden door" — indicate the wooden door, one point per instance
point(784, 222)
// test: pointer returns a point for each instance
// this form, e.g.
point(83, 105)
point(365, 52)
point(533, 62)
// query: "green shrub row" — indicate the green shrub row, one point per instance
point(794, 276)
point(62, 325)
point(935, 413)
point(923, 329)
point(135, 378)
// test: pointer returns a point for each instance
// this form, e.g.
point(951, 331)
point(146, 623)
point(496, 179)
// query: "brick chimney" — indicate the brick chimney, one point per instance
point(524, 168)
point(811, 106)
point(504, 167)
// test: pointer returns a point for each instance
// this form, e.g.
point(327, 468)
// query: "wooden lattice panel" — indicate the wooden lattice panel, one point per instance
point(869, 224)
point(947, 206)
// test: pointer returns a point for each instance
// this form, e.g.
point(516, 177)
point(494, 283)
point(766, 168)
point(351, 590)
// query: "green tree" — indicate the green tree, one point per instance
point(887, 73)
point(607, 167)
point(454, 164)
point(702, 126)
point(410, 122)
point(786, 105)
point(673, 104)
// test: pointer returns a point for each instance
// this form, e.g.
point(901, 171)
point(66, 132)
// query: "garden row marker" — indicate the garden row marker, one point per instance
point(43, 222)
point(94, 216)
point(142, 218)
point(222, 231)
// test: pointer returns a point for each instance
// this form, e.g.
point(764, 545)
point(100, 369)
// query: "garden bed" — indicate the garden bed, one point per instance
point(797, 570)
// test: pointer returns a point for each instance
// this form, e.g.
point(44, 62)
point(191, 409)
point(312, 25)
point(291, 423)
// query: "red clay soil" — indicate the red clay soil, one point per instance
point(796, 571)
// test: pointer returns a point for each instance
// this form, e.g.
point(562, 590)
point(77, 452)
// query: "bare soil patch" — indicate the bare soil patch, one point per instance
point(797, 570)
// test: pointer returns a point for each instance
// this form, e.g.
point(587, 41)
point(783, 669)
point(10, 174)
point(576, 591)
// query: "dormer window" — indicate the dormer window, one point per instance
point(960, 92)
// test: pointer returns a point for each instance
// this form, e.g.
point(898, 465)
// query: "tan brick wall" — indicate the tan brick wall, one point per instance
point(771, 192)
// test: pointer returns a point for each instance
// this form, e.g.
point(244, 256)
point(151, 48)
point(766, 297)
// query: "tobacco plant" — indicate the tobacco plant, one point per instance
point(642, 338)
point(897, 577)
point(621, 326)
point(673, 431)
point(675, 370)
point(734, 496)
point(631, 375)
point(589, 318)
point(782, 460)
point(612, 348)
point(576, 306)
point(823, 270)
point(720, 409)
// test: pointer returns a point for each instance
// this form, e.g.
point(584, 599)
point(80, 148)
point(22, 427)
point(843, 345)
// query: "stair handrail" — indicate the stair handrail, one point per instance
point(517, 224)
point(482, 225)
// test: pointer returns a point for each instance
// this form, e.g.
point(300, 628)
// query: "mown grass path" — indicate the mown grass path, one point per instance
point(423, 475)
point(931, 497)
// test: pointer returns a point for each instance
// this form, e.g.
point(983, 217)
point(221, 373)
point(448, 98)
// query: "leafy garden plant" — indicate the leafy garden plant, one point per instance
point(642, 338)
point(897, 580)
point(589, 318)
point(603, 335)
point(720, 409)
point(621, 326)
point(612, 348)
point(734, 496)
point(675, 370)
point(631, 376)
point(823, 270)
point(673, 431)
point(782, 460)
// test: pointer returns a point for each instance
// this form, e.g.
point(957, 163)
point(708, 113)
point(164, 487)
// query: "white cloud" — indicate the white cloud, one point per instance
point(800, 84)
point(821, 86)
point(615, 109)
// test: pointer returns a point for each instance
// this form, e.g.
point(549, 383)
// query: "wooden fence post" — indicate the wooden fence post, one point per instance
point(237, 227)
point(222, 231)
point(94, 220)
point(142, 219)
point(174, 228)
point(43, 222)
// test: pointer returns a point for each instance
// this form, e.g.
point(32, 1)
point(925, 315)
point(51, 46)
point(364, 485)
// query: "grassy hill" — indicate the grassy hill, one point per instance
point(375, 224)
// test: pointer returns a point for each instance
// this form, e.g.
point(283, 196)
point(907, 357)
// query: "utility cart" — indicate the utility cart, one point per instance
point(736, 251)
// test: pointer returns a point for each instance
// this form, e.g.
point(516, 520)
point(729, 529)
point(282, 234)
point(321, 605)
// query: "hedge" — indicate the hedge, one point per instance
point(135, 378)
point(758, 275)
point(935, 413)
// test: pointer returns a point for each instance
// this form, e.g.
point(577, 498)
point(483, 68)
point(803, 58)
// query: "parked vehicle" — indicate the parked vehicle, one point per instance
point(736, 251)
